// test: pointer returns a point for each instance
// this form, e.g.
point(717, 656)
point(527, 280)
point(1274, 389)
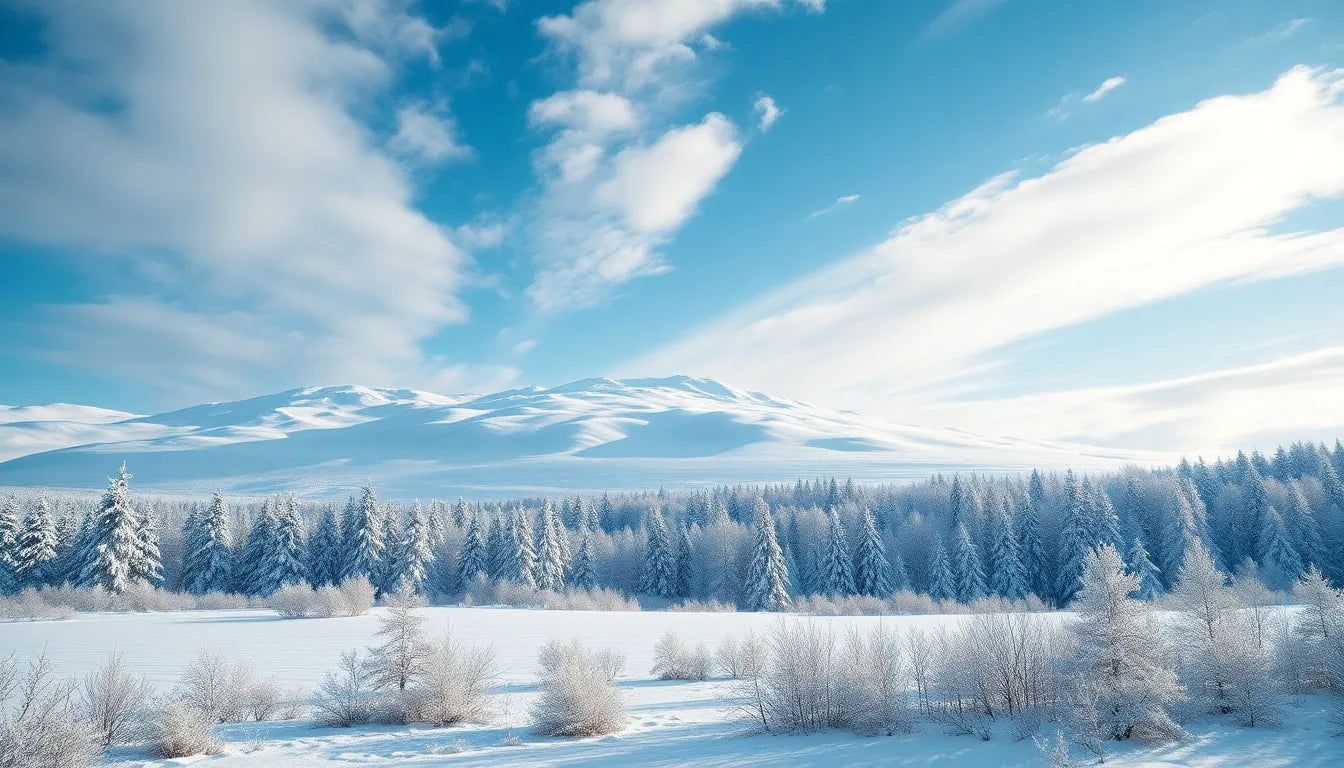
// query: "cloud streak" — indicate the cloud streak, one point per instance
point(840, 202)
point(1108, 85)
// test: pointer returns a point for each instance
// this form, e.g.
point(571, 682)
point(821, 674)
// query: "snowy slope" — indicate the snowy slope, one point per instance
point(593, 433)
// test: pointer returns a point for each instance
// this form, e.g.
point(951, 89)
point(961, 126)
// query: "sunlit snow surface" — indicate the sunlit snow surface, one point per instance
point(669, 724)
point(589, 434)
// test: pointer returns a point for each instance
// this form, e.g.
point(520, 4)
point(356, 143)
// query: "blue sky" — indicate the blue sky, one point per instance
point(1010, 216)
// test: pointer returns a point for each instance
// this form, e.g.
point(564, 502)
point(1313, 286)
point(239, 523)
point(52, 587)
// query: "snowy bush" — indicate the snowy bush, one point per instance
point(485, 591)
point(346, 696)
point(40, 725)
point(113, 699)
point(610, 662)
point(741, 659)
point(262, 699)
point(183, 731)
point(798, 688)
point(576, 698)
point(873, 682)
point(214, 686)
point(295, 601)
point(672, 660)
point(702, 606)
point(454, 684)
point(29, 605)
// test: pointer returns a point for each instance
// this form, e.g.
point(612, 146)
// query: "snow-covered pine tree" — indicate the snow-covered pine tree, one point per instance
point(1255, 507)
point(471, 559)
point(212, 557)
point(147, 566)
point(583, 569)
point(417, 555)
point(550, 568)
point(1076, 539)
point(1303, 527)
point(659, 574)
point(1008, 577)
point(1121, 661)
point(1030, 546)
point(1280, 563)
point(391, 570)
point(1179, 532)
point(942, 584)
point(283, 562)
point(113, 541)
point(324, 551)
point(363, 545)
point(837, 570)
point(767, 582)
point(35, 547)
point(250, 575)
point(684, 565)
point(190, 543)
point(500, 556)
point(1139, 564)
point(900, 576)
point(524, 549)
point(67, 540)
point(1105, 523)
point(966, 562)
point(872, 572)
point(9, 537)
point(460, 513)
point(606, 515)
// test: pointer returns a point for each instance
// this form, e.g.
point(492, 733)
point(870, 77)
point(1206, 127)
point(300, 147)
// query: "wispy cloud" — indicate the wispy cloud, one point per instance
point(767, 112)
point(427, 137)
point(1278, 34)
point(958, 14)
point(1107, 85)
point(1179, 205)
point(840, 202)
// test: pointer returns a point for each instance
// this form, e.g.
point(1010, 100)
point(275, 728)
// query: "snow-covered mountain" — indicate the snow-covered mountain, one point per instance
point(589, 434)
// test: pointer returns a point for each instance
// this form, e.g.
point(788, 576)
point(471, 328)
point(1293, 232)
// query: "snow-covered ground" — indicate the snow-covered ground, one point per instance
point(670, 723)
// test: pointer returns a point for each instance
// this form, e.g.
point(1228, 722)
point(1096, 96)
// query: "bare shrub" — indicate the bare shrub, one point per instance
point(294, 601)
point(741, 659)
point(610, 662)
point(702, 606)
point(183, 731)
point(873, 682)
point(672, 660)
point(214, 686)
point(40, 725)
point(485, 591)
point(112, 699)
point(262, 699)
point(576, 699)
point(454, 686)
point(346, 696)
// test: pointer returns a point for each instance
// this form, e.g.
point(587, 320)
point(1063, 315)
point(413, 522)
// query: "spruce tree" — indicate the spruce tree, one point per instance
point(1179, 532)
point(212, 556)
point(1138, 563)
point(900, 576)
point(942, 584)
point(147, 565)
point(1008, 577)
point(35, 548)
point(1076, 540)
point(251, 575)
point(324, 551)
point(1302, 527)
point(1278, 557)
point(500, 559)
point(684, 566)
point(659, 575)
point(471, 559)
point(550, 569)
point(970, 575)
point(283, 562)
point(767, 576)
point(391, 569)
point(837, 569)
point(9, 538)
point(416, 553)
point(363, 545)
point(873, 571)
point(113, 541)
point(583, 570)
point(525, 551)
point(1032, 549)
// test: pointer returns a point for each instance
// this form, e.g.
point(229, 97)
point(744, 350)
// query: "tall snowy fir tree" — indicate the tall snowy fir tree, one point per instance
point(250, 576)
point(1139, 564)
point(10, 523)
point(659, 575)
point(1279, 560)
point(283, 559)
point(460, 513)
point(1076, 540)
point(837, 568)
point(113, 543)
point(767, 576)
point(872, 572)
point(684, 564)
point(1179, 532)
point(471, 559)
point(363, 538)
point(417, 554)
point(35, 548)
point(1008, 577)
point(524, 549)
point(391, 569)
point(1303, 528)
point(500, 555)
point(147, 566)
point(970, 574)
point(550, 569)
point(212, 553)
point(324, 551)
point(582, 573)
point(942, 584)
point(1031, 548)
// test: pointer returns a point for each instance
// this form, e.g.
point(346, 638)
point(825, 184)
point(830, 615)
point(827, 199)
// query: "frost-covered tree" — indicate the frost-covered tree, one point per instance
point(1203, 603)
point(1303, 527)
point(471, 559)
point(837, 570)
point(685, 568)
point(1008, 577)
point(583, 573)
point(113, 543)
point(403, 652)
point(35, 547)
point(416, 555)
point(550, 570)
point(767, 582)
point(1178, 533)
point(1281, 563)
point(147, 565)
point(969, 573)
point(1031, 547)
point(1124, 683)
point(1076, 540)
point(391, 569)
point(942, 584)
point(1139, 564)
point(250, 574)
point(324, 551)
point(872, 572)
point(363, 538)
point(283, 562)
point(500, 556)
point(212, 551)
point(9, 537)
point(659, 574)
point(524, 550)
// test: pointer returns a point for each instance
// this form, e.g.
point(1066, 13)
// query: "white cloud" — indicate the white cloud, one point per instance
point(767, 112)
point(1278, 34)
point(840, 202)
point(276, 241)
point(524, 346)
point(956, 15)
point(426, 137)
point(1215, 413)
point(591, 113)
point(1108, 85)
point(1182, 204)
